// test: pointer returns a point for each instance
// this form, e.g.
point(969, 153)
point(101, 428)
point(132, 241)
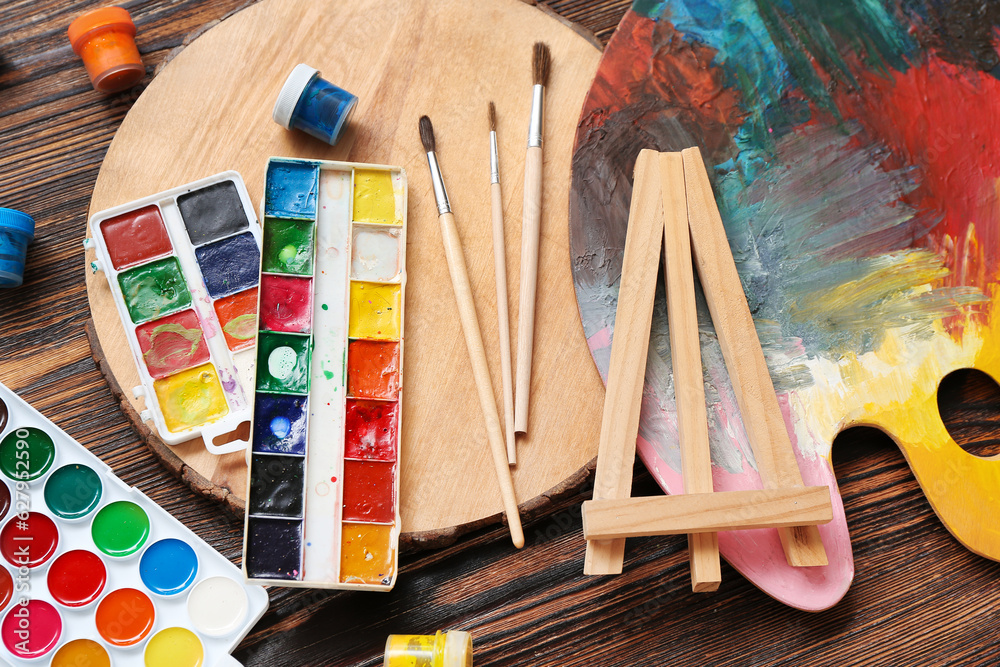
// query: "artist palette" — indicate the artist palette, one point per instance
point(323, 497)
point(182, 266)
point(92, 572)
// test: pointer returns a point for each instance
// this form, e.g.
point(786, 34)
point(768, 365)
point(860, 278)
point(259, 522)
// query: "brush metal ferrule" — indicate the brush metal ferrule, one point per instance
point(440, 194)
point(494, 159)
point(537, 106)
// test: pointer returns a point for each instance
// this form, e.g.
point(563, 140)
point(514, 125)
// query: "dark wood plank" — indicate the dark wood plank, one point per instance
point(918, 596)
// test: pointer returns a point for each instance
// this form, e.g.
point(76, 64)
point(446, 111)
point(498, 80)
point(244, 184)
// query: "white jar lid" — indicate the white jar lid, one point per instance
point(290, 93)
point(457, 649)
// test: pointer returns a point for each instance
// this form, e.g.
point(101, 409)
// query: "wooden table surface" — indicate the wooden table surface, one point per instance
point(918, 596)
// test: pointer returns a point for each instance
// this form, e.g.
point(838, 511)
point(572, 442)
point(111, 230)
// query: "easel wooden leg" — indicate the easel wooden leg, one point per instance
point(741, 349)
point(685, 358)
point(673, 197)
point(627, 370)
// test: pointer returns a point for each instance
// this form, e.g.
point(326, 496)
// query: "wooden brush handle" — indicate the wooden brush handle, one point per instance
point(530, 230)
point(503, 321)
point(480, 371)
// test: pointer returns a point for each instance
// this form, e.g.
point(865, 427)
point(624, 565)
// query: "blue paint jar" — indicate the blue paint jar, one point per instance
point(17, 230)
point(312, 104)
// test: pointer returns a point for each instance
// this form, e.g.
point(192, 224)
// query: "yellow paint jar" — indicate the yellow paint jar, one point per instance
point(448, 649)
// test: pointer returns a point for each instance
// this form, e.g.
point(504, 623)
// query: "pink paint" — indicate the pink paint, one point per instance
point(286, 303)
point(173, 343)
point(757, 554)
point(31, 628)
point(372, 427)
point(600, 340)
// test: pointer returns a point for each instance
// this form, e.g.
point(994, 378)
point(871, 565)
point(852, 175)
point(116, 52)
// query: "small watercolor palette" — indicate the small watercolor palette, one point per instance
point(183, 269)
point(92, 572)
point(323, 489)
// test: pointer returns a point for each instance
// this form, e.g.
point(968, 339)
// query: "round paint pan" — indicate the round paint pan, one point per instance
point(77, 578)
point(125, 617)
point(168, 567)
point(30, 541)
point(31, 630)
point(217, 606)
point(73, 491)
point(6, 587)
point(174, 647)
point(26, 454)
point(120, 529)
point(81, 652)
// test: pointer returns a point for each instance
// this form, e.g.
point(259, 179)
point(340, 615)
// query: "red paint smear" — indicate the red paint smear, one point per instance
point(373, 369)
point(166, 351)
point(29, 542)
point(285, 303)
point(77, 578)
point(372, 427)
point(135, 237)
point(941, 119)
point(369, 491)
point(658, 69)
point(229, 308)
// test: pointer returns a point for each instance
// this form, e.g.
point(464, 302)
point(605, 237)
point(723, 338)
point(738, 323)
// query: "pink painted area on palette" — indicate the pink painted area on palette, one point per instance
point(286, 303)
point(173, 343)
point(757, 554)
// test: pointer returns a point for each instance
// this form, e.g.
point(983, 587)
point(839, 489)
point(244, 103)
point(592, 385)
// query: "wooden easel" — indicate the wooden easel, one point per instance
point(672, 199)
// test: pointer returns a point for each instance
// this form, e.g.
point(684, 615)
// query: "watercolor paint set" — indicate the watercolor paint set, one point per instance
point(323, 489)
point(92, 572)
point(182, 266)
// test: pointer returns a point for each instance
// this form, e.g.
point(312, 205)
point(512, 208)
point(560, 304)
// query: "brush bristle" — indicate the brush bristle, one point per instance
point(426, 133)
point(540, 63)
point(493, 117)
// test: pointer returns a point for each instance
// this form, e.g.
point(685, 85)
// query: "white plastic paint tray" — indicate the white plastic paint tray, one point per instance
point(323, 489)
point(182, 266)
point(62, 484)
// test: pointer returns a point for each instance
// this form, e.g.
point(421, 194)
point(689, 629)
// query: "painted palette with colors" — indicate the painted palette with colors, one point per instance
point(323, 497)
point(182, 268)
point(92, 572)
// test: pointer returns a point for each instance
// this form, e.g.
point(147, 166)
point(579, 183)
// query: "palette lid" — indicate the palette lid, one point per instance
point(290, 93)
point(16, 220)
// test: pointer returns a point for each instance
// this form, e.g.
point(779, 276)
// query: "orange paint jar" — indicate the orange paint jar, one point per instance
point(105, 39)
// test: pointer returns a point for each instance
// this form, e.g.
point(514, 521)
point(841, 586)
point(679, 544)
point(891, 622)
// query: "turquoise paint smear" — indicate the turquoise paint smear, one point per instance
point(846, 206)
point(820, 244)
point(768, 48)
point(752, 64)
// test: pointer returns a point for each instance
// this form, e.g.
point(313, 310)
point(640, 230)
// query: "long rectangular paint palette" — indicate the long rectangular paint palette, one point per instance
point(323, 496)
point(182, 266)
point(92, 572)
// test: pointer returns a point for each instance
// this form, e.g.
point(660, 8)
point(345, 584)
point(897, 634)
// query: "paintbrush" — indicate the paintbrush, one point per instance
point(503, 316)
point(530, 230)
point(473, 335)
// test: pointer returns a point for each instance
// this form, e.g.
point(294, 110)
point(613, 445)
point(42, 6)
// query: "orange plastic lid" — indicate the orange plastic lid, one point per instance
point(106, 17)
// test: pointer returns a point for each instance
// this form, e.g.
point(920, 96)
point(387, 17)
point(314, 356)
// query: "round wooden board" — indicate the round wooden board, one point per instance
point(210, 110)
